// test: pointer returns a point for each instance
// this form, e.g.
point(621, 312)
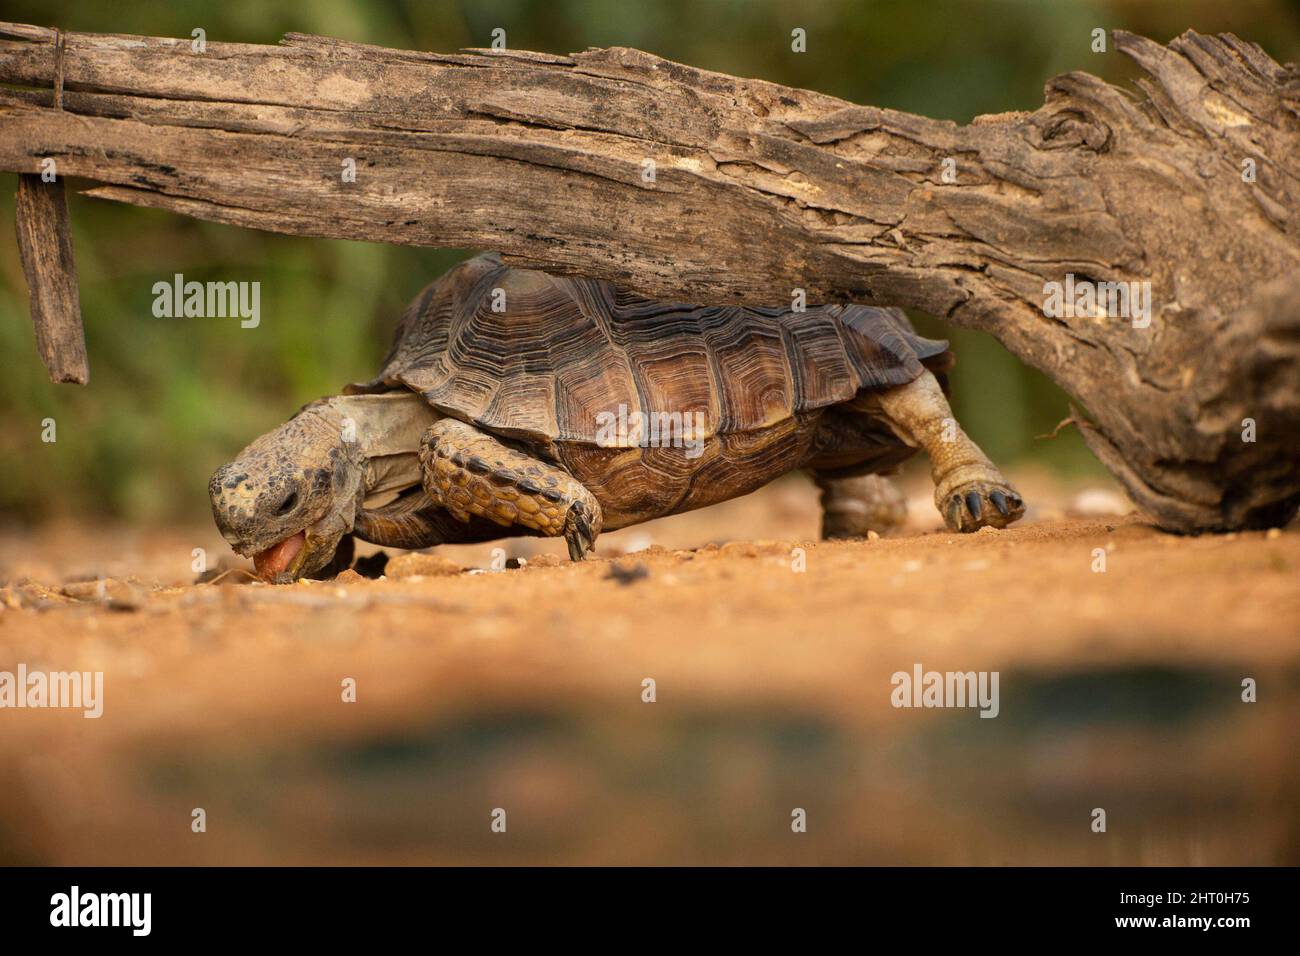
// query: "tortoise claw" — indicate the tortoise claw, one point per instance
point(976, 504)
point(952, 515)
point(578, 533)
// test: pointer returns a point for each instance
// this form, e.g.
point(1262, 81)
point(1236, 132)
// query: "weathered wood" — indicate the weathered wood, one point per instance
point(758, 190)
point(45, 247)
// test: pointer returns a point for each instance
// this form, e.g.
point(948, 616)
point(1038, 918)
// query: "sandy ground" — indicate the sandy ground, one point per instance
point(521, 690)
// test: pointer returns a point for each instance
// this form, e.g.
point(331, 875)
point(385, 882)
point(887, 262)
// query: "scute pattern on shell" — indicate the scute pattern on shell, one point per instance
point(566, 349)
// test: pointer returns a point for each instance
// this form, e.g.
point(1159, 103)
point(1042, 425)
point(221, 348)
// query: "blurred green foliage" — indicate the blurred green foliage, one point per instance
point(170, 399)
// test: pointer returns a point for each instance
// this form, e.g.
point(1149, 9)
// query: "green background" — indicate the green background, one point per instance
point(169, 400)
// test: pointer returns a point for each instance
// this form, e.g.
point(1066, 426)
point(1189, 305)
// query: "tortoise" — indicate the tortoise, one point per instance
point(515, 402)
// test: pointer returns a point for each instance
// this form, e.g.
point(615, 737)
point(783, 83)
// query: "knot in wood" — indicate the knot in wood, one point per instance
point(1072, 128)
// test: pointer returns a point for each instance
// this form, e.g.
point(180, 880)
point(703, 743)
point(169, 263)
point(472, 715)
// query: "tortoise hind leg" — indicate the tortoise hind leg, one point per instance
point(472, 473)
point(969, 491)
point(856, 504)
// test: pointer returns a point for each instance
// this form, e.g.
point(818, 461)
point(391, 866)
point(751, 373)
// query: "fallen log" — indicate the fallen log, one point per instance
point(1176, 213)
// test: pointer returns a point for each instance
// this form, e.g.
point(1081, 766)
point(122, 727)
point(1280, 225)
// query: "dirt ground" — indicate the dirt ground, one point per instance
point(522, 690)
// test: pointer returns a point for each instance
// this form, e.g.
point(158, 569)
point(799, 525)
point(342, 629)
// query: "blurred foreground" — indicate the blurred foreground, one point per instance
point(522, 690)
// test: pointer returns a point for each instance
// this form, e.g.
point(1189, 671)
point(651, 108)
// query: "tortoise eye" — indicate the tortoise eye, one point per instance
point(288, 504)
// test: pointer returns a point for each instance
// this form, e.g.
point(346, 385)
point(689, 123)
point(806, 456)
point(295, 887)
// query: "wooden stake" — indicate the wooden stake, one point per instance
point(45, 245)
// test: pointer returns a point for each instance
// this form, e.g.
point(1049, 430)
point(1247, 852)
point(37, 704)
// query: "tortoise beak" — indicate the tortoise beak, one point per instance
point(325, 546)
point(284, 557)
point(295, 557)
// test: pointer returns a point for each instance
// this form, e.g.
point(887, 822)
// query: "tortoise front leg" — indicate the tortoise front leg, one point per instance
point(968, 490)
point(414, 521)
point(472, 473)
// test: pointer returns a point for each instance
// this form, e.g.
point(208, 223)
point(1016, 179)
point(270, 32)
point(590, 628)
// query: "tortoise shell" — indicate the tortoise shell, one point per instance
point(538, 358)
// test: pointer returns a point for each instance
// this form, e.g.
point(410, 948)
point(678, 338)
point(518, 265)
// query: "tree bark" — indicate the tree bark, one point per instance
point(45, 248)
point(692, 185)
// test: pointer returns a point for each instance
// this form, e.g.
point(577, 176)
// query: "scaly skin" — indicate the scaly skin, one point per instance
point(300, 477)
point(969, 491)
point(470, 472)
point(853, 506)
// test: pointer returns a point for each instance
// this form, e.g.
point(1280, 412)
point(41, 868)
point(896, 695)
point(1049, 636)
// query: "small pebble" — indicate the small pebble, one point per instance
point(95, 590)
point(738, 549)
point(1098, 503)
point(116, 594)
point(752, 549)
point(423, 565)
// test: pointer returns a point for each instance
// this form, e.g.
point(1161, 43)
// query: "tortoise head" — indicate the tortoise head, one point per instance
point(289, 498)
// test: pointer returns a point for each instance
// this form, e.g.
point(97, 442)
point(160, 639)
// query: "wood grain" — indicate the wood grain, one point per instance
point(45, 247)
